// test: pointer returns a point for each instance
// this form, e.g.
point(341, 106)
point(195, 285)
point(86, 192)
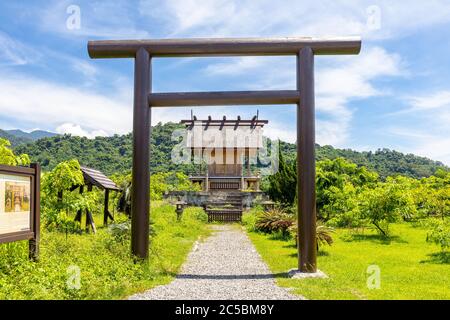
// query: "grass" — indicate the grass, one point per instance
point(410, 267)
point(107, 270)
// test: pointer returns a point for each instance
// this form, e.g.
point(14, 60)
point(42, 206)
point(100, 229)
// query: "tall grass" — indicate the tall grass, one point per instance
point(107, 270)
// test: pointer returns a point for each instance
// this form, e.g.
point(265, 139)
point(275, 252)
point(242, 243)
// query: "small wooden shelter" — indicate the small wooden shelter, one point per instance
point(96, 178)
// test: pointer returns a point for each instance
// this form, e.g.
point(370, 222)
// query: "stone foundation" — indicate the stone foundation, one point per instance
point(199, 198)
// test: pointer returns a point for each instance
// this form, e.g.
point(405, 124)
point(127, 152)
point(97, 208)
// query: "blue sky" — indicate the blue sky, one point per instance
point(395, 94)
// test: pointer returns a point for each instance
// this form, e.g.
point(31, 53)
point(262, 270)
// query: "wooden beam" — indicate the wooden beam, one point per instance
point(227, 122)
point(306, 167)
point(223, 98)
point(223, 47)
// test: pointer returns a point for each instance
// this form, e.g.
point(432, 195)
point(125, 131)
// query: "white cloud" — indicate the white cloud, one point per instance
point(430, 137)
point(314, 17)
point(76, 130)
point(37, 103)
point(437, 100)
point(339, 80)
point(13, 52)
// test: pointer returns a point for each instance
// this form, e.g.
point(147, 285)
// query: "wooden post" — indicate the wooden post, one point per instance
point(306, 171)
point(79, 212)
point(140, 197)
point(89, 218)
point(105, 209)
point(33, 244)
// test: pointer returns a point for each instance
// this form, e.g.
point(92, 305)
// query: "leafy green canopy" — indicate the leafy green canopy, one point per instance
point(8, 157)
point(61, 200)
point(352, 196)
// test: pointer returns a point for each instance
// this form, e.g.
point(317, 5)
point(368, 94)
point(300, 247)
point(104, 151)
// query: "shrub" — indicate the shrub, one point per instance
point(323, 234)
point(275, 220)
point(439, 232)
point(107, 268)
point(162, 182)
point(249, 218)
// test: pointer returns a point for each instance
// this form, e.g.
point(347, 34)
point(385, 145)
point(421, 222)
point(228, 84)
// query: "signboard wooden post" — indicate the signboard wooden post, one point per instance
point(20, 205)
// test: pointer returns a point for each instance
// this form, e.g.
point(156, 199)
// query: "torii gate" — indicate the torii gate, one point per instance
point(303, 47)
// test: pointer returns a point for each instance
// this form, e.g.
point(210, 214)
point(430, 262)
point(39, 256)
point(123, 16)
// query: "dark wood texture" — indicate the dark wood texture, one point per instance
point(306, 172)
point(106, 214)
point(222, 47)
point(28, 171)
point(79, 212)
point(33, 243)
point(224, 216)
point(221, 98)
point(140, 196)
point(98, 179)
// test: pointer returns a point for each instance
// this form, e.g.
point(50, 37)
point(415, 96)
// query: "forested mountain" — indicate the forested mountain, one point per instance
point(108, 154)
point(15, 141)
point(384, 161)
point(17, 137)
point(113, 154)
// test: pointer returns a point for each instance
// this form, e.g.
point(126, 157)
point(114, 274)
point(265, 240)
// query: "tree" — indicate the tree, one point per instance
point(163, 182)
point(386, 203)
point(59, 197)
point(338, 181)
point(439, 233)
point(8, 157)
point(283, 184)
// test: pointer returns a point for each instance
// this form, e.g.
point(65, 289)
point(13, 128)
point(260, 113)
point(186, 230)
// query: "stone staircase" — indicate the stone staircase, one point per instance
point(224, 206)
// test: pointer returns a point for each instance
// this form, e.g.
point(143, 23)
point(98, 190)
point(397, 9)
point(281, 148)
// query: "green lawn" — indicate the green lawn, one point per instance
point(107, 270)
point(410, 267)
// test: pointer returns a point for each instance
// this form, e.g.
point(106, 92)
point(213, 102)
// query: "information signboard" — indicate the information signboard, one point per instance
point(20, 205)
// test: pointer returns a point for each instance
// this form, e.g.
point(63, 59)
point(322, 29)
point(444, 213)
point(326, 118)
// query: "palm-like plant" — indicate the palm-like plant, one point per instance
point(323, 234)
point(275, 220)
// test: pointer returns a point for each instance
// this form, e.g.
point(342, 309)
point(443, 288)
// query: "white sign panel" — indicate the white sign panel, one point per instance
point(14, 203)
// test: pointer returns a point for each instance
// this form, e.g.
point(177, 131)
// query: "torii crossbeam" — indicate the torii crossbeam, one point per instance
point(303, 47)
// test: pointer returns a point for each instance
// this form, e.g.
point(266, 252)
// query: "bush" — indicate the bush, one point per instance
point(323, 234)
point(275, 220)
point(439, 232)
point(163, 182)
point(107, 270)
point(249, 218)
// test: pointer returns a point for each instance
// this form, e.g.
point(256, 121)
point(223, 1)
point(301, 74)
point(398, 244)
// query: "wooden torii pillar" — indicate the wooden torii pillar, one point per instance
point(304, 48)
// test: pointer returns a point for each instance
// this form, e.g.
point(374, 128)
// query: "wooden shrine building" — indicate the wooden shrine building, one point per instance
point(226, 148)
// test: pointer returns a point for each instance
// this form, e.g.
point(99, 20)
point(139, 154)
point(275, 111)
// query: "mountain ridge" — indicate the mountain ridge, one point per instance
point(113, 154)
point(17, 136)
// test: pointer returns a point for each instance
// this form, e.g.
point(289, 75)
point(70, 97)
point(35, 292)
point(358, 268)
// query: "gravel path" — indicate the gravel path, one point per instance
point(225, 266)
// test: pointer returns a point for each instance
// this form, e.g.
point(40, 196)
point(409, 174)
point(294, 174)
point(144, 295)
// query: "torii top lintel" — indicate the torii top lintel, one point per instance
point(224, 47)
